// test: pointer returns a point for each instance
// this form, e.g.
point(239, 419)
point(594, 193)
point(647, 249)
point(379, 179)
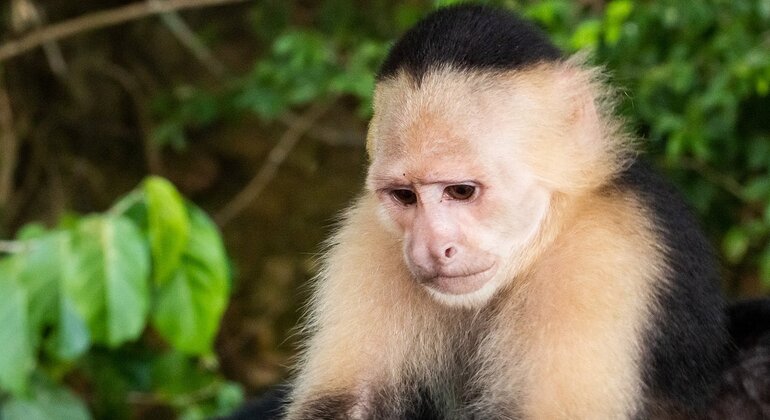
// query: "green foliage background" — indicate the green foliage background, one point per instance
point(112, 295)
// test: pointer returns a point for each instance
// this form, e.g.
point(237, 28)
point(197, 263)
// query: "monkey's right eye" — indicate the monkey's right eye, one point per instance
point(404, 196)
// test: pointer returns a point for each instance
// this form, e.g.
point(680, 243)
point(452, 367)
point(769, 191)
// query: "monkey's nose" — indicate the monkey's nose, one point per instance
point(443, 254)
point(428, 259)
point(450, 252)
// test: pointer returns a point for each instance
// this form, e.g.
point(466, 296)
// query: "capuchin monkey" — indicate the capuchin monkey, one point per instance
point(510, 257)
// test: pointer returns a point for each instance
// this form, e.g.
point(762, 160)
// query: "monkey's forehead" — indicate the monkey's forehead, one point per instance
point(468, 37)
point(453, 106)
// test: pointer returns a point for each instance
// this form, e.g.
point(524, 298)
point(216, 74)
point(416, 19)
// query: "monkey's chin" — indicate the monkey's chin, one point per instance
point(465, 291)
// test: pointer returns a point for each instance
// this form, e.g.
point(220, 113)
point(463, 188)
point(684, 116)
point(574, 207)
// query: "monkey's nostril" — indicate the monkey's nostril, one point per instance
point(450, 252)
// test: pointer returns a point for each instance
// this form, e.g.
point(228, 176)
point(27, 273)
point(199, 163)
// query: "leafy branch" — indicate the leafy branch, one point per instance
point(153, 261)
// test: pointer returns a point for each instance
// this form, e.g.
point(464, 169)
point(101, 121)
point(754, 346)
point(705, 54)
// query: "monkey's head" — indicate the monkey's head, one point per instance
point(473, 139)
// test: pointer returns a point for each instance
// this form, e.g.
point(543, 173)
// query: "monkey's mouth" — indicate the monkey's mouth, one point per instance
point(460, 283)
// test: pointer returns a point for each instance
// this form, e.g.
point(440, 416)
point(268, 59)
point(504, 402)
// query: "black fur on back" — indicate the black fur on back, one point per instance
point(469, 37)
point(750, 323)
point(687, 343)
point(745, 388)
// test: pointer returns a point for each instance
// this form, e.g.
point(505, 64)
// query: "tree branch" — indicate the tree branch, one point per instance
point(712, 175)
point(99, 20)
point(8, 144)
point(277, 155)
point(329, 135)
point(11, 247)
point(187, 37)
point(133, 88)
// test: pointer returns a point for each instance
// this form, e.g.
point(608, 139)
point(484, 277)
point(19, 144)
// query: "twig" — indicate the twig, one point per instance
point(11, 247)
point(185, 400)
point(187, 37)
point(8, 146)
point(55, 58)
point(99, 20)
point(329, 135)
point(715, 177)
point(274, 159)
point(134, 89)
point(32, 180)
point(25, 15)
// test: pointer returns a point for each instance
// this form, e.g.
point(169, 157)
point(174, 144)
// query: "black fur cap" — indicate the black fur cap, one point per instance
point(471, 37)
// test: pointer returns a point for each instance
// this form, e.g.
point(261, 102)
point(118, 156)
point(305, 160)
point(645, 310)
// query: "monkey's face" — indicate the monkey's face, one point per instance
point(449, 185)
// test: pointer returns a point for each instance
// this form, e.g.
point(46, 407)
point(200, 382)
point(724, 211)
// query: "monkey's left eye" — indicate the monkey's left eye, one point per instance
point(460, 191)
point(404, 196)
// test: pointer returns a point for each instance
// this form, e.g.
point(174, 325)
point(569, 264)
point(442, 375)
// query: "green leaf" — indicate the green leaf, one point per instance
point(41, 267)
point(109, 281)
point(168, 226)
point(229, 397)
point(587, 34)
point(48, 402)
point(17, 358)
point(176, 375)
point(735, 244)
point(190, 305)
point(194, 412)
point(758, 189)
point(31, 231)
point(618, 11)
point(38, 273)
point(70, 338)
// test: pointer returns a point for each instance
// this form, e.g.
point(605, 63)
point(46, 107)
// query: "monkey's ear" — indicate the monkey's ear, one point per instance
point(591, 146)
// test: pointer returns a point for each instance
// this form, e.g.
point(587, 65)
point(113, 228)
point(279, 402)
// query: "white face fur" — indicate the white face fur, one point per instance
point(451, 185)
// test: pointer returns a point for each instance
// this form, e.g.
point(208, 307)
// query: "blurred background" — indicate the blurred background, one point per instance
point(170, 168)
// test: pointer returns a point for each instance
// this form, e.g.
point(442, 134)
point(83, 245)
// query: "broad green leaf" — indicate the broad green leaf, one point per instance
point(40, 270)
point(190, 304)
point(70, 338)
point(49, 402)
point(17, 358)
point(168, 227)
point(109, 281)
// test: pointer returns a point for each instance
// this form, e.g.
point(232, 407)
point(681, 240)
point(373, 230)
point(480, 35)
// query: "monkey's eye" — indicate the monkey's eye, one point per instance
point(460, 191)
point(404, 196)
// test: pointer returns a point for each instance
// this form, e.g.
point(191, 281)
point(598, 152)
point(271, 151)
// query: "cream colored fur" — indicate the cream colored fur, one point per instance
point(566, 323)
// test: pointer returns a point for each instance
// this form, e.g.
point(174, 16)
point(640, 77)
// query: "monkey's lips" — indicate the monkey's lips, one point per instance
point(459, 283)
